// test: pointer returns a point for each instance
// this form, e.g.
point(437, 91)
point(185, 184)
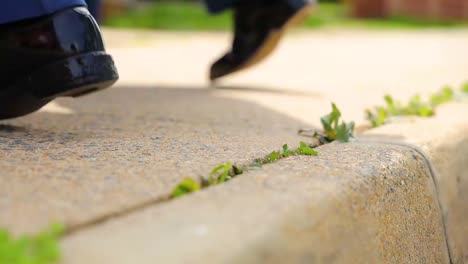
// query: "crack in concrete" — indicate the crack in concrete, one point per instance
point(106, 217)
point(158, 200)
point(99, 220)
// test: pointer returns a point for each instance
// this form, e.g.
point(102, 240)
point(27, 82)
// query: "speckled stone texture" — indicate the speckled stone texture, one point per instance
point(376, 200)
point(110, 156)
point(354, 203)
point(444, 138)
point(116, 155)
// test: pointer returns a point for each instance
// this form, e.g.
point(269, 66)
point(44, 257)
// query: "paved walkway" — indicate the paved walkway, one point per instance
point(353, 68)
point(78, 161)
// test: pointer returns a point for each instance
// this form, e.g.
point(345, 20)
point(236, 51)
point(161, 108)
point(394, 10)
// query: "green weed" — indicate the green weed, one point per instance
point(227, 171)
point(465, 87)
point(39, 249)
point(187, 186)
point(304, 149)
point(286, 151)
point(444, 96)
point(415, 107)
point(333, 129)
point(221, 174)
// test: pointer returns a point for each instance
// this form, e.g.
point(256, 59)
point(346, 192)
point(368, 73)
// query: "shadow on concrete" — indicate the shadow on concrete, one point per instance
point(11, 129)
point(239, 88)
point(265, 90)
point(123, 148)
point(129, 108)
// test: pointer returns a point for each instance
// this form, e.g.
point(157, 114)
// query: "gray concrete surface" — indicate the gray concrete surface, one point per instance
point(125, 147)
point(444, 139)
point(353, 68)
point(78, 161)
point(375, 200)
point(354, 203)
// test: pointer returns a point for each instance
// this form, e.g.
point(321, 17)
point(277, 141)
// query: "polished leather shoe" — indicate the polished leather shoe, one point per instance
point(47, 57)
point(258, 28)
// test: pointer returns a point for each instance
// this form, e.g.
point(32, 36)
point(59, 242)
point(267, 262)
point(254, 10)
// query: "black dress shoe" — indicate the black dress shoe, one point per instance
point(47, 57)
point(258, 28)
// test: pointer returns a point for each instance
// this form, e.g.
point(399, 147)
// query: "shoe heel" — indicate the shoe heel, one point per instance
point(301, 16)
point(273, 40)
point(74, 76)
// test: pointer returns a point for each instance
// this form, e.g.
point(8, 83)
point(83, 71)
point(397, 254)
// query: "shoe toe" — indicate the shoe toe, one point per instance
point(224, 66)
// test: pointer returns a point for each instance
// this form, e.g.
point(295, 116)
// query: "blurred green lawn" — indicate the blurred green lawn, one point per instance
point(192, 16)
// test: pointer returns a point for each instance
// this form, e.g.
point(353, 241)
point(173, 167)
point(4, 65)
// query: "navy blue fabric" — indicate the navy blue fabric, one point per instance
point(94, 7)
point(218, 6)
point(14, 10)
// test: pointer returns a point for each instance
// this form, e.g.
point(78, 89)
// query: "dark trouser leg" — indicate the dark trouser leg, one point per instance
point(218, 6)
point(94, 7)
point(15, 10)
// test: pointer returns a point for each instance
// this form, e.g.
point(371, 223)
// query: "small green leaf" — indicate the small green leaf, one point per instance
point(377, 117)
point(443, 96)
point(448, 92)
point(371, 117)
point(425, 111)
point(381, 116)
point(274, 156)
point(345, 132)
point(304, 149)
point(286, 151)
point(465, 87)
point(217, 169)
point(326, 122)
point(390, 104)
point(335, 116)
point(224, 176)
point(187, 186)
point(221, 173)
point(39, 249)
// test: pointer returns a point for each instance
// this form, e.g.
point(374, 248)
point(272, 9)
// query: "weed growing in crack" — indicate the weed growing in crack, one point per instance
point(443, 96)
point(465, 88)
point(218, 175)
point(415, 107)
point(223, 173)
point(39, 249)
point(332, 128)
point(304, 149)
point(270, 158)
point(228, 171)
point(187, 186)
point(286, 151)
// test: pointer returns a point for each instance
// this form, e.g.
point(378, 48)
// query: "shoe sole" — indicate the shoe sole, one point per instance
point(274, 38)
point(72, 77)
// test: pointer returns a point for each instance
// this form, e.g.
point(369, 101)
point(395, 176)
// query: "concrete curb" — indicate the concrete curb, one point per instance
point(444, 139)
point(375, 200)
